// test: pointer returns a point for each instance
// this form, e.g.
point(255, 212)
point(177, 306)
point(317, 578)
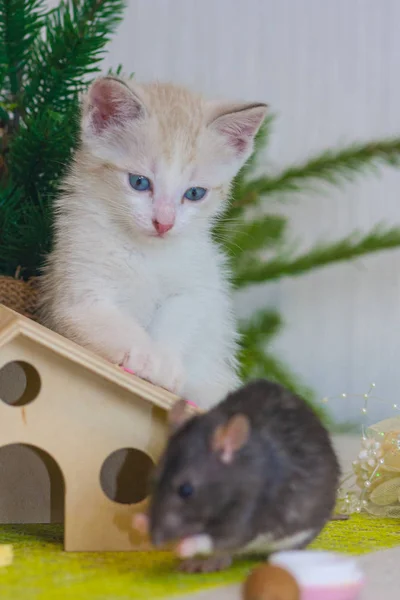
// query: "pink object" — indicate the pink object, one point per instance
point(322, 575)
point(128, 371)
point(350, 592)
point(191, 403)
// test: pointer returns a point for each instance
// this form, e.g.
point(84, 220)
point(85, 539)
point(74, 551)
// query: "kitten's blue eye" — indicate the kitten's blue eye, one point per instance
point(195, 193)
point(139, 183)
point(185, 490)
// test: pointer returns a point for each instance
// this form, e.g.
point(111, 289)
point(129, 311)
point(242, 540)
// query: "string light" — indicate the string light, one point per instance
point(370, 473)
point(366, 397)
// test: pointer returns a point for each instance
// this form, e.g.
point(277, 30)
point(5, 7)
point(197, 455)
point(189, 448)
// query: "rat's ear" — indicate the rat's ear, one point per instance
point(230, 438)
point(109, 102)
point(178, 415)
point(238, 124)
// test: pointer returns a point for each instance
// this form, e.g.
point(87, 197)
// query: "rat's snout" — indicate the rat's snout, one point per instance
point(165, 529)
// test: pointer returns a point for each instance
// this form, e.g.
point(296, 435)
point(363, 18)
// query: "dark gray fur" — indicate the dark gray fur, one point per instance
point(283, 481)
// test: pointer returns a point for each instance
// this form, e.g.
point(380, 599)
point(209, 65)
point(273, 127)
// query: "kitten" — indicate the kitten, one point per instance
point(134, 273)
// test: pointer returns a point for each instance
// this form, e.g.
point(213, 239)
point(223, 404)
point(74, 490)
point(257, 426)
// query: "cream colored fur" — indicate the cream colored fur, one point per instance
point(159, 305)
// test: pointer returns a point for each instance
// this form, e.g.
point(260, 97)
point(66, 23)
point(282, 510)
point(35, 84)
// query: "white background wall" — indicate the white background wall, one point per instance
point(331, 71)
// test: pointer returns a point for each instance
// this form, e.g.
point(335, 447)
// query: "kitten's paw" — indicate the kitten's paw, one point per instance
point(138, 359)
point(157, 365)
point(167, 370)
point(205, 565)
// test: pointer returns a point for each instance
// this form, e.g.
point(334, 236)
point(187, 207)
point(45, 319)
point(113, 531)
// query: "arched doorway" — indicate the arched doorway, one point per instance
point(32, 486)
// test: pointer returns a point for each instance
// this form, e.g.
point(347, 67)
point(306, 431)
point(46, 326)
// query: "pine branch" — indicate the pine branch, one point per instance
point(332, 166)
point(321, 255)
point(75, 35)
point(261, 233)
point(40, 153)
point(262, 327)
point(119, 72)
point(25, 234)
point(20, 25)
point(38, 158)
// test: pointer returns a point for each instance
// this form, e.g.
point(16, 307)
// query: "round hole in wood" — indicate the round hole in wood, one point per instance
point(19, 383)
point(124, 476)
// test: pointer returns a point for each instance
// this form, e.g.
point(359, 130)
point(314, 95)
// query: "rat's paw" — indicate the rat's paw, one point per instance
point(157, 365)
point(210, 564)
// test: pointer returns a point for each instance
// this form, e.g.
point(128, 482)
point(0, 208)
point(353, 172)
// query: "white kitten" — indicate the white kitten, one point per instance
point(134, 274)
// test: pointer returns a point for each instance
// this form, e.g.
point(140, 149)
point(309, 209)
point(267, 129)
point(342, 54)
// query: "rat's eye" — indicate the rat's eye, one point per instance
point(195, 193)
point(139, 182)
point(185, 490)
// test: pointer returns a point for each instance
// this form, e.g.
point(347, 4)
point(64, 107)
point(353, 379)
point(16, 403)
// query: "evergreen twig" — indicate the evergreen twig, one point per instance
point(75, 35)
point(263, 325)
point(261, 233)
point(332, 166)
point(346, 249)
point(20, 25)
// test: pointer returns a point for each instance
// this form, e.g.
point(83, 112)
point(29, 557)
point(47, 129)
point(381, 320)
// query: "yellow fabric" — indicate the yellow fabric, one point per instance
point(42, 571)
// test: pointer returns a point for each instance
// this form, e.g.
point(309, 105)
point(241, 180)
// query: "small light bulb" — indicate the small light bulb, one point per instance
point(395, 406)
point(373, 385)
point(367, 484)
point(364, 410)
point(324, 400)
point(344, 395)
point(366, 396)
point(381, 461)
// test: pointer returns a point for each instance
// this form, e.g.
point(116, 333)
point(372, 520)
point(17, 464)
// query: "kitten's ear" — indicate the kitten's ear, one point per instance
point(238, 124)
point(110, 102)
point(178, 415)
point(231, 437)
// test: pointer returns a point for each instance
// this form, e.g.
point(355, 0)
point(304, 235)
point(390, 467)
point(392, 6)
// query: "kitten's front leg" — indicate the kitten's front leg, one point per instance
point(101, 326)
point(173, 329)
point(158, 365)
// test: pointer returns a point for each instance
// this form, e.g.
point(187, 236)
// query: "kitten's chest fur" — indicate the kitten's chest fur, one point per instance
point(142, 278)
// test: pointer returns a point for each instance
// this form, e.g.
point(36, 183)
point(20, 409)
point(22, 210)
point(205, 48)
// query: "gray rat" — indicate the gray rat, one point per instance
point(254, 475)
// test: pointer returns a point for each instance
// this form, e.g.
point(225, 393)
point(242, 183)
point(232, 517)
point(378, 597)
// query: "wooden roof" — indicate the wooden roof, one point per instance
point(13, 325)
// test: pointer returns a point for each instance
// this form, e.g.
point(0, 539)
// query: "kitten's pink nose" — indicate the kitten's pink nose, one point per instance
point(162, 227)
